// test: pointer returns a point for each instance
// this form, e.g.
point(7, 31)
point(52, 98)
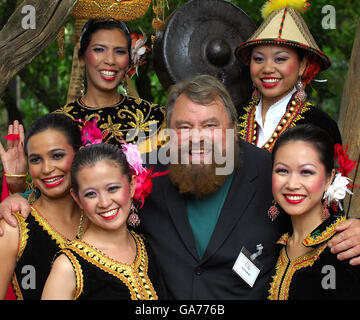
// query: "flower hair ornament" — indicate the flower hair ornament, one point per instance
point(138, 52)
point(339, 187)
point(143, 175)
point(143, 180)
point(90, 133)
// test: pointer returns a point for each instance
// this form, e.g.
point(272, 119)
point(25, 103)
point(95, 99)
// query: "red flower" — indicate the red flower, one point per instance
point(345, 164)
point(90, 133)
point(143, 186)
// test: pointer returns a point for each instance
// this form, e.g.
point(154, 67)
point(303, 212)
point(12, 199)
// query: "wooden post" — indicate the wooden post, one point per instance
point(349, 123)
point(19, 44)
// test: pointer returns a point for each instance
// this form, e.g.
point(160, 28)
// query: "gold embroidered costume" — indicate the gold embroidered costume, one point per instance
point(132, 119)
point(318, 274)
point(100, 277)
point(295, 114)
point(38, 244)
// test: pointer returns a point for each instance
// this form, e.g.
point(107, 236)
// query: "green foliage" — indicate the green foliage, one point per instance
point(52, 74)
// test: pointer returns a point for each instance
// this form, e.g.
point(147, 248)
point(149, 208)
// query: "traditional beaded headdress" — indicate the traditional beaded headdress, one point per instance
point(117, 9)
point(284, 25)
point(84, 10)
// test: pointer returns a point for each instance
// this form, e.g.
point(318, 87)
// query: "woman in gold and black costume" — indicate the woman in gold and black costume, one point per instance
point(26, 251)
point(305, 184)
point(109, 262)
point(106, 53)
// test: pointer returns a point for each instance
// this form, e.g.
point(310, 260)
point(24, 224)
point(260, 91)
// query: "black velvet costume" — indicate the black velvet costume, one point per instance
point(98, 277)
point(130, 119)
point(295, 114)
point(318, 274)
point(38, 244)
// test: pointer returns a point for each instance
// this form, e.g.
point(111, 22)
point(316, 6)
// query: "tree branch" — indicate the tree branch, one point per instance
point(19, 46)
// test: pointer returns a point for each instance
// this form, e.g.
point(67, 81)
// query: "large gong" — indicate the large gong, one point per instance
point(200, 38)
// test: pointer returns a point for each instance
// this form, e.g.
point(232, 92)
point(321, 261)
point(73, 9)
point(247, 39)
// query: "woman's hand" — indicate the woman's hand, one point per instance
point(14, 160)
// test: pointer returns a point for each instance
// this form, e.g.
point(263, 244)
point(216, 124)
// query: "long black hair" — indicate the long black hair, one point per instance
point(93, 25)
point(59, 122)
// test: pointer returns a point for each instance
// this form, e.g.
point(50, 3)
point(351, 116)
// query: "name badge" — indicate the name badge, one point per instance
point(246, 266)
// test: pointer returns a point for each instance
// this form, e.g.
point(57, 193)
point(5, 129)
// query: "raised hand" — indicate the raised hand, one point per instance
point(13, 158)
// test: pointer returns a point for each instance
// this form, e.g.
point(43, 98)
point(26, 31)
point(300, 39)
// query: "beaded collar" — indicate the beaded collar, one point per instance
point(249, 128)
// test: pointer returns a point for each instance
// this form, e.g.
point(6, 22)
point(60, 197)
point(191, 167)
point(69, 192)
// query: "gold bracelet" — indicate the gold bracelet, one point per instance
point(16, 175)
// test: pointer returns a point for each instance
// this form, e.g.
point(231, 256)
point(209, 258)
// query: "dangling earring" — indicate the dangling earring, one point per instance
point(273, 211)
point(255, 96)
point(300, 95)
point(124, 86)
point(32, 196)
point(133, 219)
point(325, 213)
point(82, 80)
point(80, 230)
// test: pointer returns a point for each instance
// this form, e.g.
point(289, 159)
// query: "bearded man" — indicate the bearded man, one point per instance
point(214, 200)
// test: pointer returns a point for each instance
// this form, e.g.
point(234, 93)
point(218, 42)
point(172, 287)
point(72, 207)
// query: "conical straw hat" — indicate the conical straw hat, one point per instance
point(283, 27)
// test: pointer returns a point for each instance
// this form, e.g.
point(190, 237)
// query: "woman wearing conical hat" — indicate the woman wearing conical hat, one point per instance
point(283, 58)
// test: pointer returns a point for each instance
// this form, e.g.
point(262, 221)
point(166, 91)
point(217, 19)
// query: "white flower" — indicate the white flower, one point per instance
point(337, 190)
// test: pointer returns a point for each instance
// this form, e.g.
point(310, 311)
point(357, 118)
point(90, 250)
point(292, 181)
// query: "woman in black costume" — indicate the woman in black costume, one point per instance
point(27, 250)
point(305, 184)
point(109, 262)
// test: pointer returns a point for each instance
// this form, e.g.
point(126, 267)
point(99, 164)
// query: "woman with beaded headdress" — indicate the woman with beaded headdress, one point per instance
point(283, 58)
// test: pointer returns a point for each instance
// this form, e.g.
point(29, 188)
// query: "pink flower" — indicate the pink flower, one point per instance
point(90, 133)
point(133, 157)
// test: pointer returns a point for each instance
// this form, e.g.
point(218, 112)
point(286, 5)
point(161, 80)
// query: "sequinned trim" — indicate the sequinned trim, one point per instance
point(249, 128)
point(247, 121)
point(23, 234)
point(285, 269)
point(53, 233)
point(132, 118)
point(78, 273)
point(317, 237)
point(16, 287)
point(134, 276)
point(117, 9)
